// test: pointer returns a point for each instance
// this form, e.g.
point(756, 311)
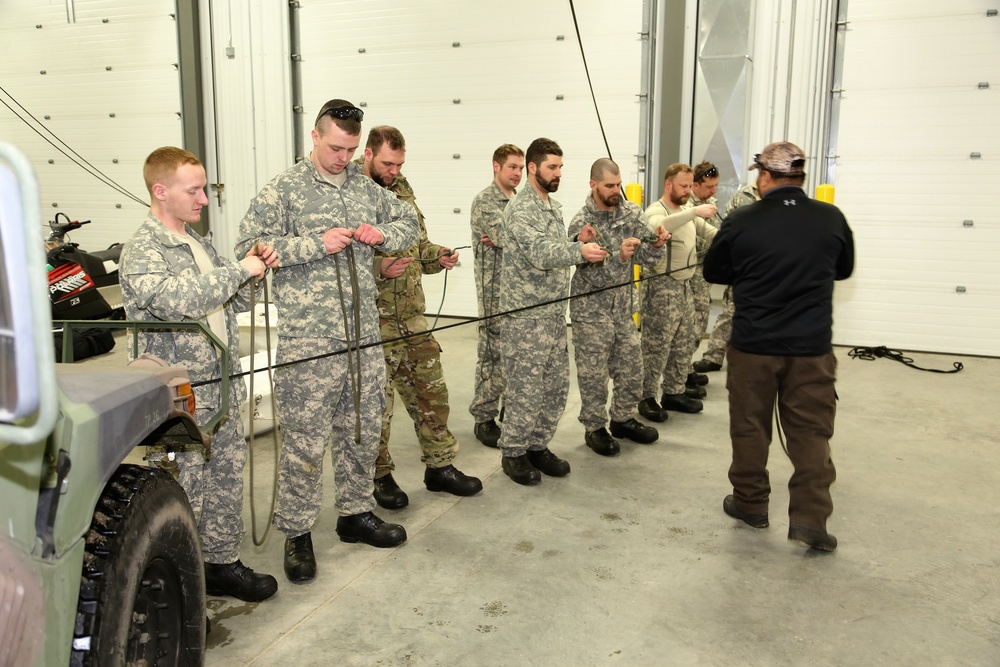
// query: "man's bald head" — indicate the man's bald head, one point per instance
point(603, 166)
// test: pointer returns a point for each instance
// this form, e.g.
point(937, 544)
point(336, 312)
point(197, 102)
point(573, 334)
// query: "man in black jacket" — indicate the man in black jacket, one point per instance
point(782, 256)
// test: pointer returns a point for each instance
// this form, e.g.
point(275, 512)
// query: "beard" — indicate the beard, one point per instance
point(612, 200)
point(679, 200)
point(382, 179)
point(549, 186)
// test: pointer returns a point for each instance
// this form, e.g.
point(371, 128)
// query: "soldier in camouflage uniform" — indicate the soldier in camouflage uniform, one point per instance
point(170, 273)
point(413, 365)
point(326, 218)
point(605, 340)
point(536, 262)
point(723, 329)
point(487, 214)
point(669, 329)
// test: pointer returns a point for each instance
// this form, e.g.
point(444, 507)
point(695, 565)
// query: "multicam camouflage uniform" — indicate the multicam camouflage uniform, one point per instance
point(669, 330)
point(161, 281)
point(324, 306)
point(723, 329)
point(702, 292)
point(605, 340)
point(536, 264)
point(487, 214)
point(413, 365)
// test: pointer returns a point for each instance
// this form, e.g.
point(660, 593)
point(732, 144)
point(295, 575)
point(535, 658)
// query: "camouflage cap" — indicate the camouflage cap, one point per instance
point(781, 157)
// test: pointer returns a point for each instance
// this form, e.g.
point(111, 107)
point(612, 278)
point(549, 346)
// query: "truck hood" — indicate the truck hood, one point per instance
point(127, 404)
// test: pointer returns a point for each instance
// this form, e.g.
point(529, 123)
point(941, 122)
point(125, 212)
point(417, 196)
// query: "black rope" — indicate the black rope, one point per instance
point(353, 362)
point(882, 352)
point(99, 175)
point(444, 292)
point(590, 83)
point(471, 320)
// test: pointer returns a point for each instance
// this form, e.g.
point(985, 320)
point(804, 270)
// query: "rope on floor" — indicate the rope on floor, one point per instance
point(872, 353)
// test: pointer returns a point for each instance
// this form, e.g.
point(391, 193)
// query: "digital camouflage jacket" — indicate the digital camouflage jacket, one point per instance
point(312, 288)
point(160, 281)
point(624, 221)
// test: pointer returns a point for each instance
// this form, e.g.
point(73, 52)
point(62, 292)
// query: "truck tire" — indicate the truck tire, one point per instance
point(142, 594)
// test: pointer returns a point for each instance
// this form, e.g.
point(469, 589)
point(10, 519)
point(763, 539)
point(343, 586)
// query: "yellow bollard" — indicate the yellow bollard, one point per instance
point(825, 192)
point(633, 192)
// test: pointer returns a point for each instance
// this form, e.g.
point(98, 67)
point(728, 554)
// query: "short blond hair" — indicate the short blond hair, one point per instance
point(163, 163)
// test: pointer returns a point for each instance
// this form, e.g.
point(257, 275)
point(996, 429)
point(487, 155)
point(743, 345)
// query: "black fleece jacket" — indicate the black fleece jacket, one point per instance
point(782, 255)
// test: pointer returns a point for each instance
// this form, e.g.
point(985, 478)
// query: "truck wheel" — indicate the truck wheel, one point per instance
point(142, 594)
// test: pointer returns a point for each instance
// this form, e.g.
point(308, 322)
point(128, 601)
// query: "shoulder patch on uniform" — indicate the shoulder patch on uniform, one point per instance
point(260, 208)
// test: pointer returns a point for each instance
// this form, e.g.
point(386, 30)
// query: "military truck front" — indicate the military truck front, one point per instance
point(100, 562)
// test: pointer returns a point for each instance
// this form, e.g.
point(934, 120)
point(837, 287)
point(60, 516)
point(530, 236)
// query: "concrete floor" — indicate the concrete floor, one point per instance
point(631, 561)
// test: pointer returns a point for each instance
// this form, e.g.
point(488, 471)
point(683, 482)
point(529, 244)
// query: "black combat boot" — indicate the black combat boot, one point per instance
point(368, 528)
point(238, 581)
point(602, 443)
point(388, 494)
point(488, 433)
point(634, 431)
point(451, 480)
point(519, 469)
point(300, 563)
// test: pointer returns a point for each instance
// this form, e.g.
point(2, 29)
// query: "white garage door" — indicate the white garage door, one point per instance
point(917, 171)
point(101, 75)
point(460, 78)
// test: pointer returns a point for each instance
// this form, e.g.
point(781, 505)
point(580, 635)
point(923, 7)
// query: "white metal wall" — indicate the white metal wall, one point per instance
point(107, 84)
point(923, 208)
point(460, 78)
point(251, 101)
point(912, 114)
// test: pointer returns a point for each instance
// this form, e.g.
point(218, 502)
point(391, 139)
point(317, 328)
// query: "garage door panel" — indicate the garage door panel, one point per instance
point(931, 122)
point(110, 91)
point(916, 45)
point(948, 343)
point(942, 322)
point(894, 174)
point(947, 322)
point(946, 337)
point(921, 204)
point(471, 71)
point(431, 22)
point(903, 10)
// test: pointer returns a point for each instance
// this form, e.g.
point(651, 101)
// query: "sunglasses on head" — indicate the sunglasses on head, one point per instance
point(711, 172)
point(344, 113)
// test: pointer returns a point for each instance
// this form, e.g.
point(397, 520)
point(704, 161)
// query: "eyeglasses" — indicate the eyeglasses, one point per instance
point(343, 113)
point(756, 161)
point(711, 172)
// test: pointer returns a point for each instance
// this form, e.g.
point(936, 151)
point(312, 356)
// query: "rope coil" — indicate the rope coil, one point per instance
point(882, 352)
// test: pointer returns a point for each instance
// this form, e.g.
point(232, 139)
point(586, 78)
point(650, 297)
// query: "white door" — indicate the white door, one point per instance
point(102, 77)
point(917, 168)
